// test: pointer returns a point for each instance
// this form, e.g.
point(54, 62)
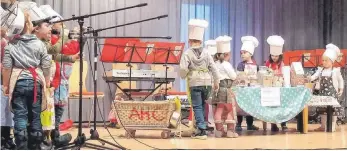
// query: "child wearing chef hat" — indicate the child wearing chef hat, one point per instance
point(249, 66)
point(224, 98)
point(11, 24)
point(196, 66)
point(211, 48)
point(275, 63)
point(330, 83)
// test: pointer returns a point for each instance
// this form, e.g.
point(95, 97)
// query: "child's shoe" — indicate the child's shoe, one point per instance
point(252, 128)
point(238, 128)
point(274, 128)
point(231, 130)
point(200, 134)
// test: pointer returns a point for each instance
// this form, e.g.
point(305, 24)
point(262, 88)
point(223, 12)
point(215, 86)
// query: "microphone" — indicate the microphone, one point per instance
point(141, 5)
point(45, 20)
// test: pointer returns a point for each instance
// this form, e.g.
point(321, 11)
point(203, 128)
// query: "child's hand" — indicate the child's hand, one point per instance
point(51, 91)
point(216, 86)
point(5, 90)
point(340, 92)
point(118, 98)
point(75, 57)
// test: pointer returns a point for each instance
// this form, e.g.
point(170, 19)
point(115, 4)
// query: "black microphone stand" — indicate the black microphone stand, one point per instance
point(80, 141)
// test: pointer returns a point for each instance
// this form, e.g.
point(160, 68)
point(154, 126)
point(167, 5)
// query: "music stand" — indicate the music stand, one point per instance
point(143, 53)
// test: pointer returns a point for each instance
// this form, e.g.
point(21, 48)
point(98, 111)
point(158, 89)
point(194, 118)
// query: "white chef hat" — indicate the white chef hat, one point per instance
point(196, 28)
point(211, 47)
point(49, 12)
point(249, 43)
point(34, 12)
point(13, 21)
point(276, 44)
point(332, 52)
point(223, 44)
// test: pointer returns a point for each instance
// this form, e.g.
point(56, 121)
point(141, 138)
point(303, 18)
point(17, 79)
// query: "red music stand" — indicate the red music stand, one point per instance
point(114, 49)
point(308, 58)
point(168, 53)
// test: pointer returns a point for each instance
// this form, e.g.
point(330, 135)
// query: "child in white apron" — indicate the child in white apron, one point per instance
point(224, 98)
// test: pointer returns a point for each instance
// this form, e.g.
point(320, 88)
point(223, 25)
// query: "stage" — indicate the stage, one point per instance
point(248, 140)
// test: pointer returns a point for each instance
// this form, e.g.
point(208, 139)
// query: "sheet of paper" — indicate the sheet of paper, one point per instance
point(323, 101)
point(270, 96)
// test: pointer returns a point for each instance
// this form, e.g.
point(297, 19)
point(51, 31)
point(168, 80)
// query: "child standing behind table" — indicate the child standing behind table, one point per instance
point(275, 63)
point(330, 83)
point(250, 67)
point(224, 98)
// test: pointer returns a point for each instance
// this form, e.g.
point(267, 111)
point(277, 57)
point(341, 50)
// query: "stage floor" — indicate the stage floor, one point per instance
point(248, 140)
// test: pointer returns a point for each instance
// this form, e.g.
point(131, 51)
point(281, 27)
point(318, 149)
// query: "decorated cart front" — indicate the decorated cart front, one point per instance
point(146, 115)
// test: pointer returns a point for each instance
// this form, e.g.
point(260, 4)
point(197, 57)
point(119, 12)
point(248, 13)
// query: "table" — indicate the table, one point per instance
point(318, 101)
point(293, 101)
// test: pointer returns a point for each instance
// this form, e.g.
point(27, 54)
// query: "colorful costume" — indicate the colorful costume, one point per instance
point(61, 79)
point(55, 48)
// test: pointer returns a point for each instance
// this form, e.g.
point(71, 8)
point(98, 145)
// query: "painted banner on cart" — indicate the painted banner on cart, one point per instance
point(292, 102)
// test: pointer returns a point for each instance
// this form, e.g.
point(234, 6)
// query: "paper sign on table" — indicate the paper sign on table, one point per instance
point(270, 96)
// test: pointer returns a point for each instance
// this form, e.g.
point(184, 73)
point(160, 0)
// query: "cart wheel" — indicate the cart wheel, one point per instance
point(165, 134)
point(130, 134)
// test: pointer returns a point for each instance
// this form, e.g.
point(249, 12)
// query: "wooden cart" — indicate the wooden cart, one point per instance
point(147, 115)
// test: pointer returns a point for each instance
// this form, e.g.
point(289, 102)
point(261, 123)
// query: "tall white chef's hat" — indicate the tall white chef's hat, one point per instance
point(249, 43)
point(12, 20)
point(223, 44)
point(332, 52)
point(34, 12)
point(276, 45)
point(211, 47)
point(196, 28)
point(49, 12)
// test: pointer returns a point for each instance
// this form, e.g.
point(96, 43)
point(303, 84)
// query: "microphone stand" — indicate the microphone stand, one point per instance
point(80, 141)
point(94, 133)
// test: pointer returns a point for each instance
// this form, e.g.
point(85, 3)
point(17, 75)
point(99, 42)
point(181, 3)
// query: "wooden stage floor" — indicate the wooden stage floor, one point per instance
point(248, 140)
